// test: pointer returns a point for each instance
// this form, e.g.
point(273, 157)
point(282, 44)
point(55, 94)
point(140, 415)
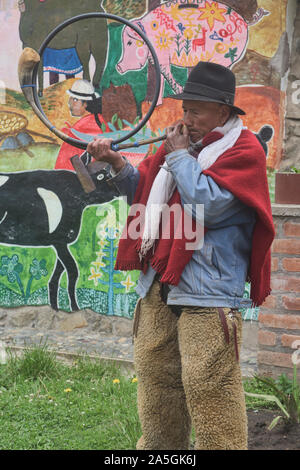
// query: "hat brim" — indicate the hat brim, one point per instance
point(194, 97)
point(83, 98)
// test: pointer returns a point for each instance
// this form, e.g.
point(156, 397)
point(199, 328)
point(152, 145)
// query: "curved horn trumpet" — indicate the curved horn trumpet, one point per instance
point(28, 61)
point(139, 143)
point(28, 66)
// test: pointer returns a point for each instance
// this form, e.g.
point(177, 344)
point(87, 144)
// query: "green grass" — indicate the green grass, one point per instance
point(251, 385)
point(48, 405)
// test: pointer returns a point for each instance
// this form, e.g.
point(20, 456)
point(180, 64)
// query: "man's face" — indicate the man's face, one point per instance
point(77, 107)
point(201, 117)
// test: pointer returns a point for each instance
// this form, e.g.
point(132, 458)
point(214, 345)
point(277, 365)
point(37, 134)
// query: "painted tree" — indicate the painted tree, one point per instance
point(107, 257)
point(102, 270)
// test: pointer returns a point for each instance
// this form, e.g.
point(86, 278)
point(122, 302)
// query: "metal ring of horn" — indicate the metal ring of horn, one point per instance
point(28, 81)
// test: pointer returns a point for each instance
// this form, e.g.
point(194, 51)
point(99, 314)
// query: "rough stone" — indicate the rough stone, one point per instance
point(22, 317)
point(105, 325)
point(97, 322)
point(122, 327)
point(76, 320)
point(93, 319)
point(3, 315)
point(286, 210)
point(280, 61)
point(45, 318)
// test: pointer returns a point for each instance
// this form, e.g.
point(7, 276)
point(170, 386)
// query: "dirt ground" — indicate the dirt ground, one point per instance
point(282, 437)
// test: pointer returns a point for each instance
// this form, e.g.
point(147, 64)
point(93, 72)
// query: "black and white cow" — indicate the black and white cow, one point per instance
point(44, 208)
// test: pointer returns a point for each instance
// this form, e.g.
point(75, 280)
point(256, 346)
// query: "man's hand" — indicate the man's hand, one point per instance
point(177, 137)
point(101, 150)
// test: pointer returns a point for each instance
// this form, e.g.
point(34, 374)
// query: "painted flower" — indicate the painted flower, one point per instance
point(11, 267)
point(188, 33)
point(38, 269)
point(211, 13)
point(94, 276)
point(127, 283)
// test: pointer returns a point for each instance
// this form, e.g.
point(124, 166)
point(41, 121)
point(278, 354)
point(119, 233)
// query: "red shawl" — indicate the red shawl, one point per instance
point(242, 171)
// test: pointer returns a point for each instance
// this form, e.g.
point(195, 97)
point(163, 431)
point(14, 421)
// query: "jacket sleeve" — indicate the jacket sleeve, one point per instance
point(196, 188)
point(126, 181)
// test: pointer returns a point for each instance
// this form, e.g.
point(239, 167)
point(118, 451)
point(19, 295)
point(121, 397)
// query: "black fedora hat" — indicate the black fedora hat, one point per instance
point(210, 82)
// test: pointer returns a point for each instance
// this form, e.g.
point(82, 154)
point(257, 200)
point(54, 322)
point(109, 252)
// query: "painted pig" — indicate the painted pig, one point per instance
point(182, 35)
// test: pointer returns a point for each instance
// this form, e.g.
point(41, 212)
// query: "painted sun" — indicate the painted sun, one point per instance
point(163, 40)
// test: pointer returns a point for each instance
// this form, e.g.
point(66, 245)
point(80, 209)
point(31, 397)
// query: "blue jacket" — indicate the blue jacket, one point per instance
point(217, 272)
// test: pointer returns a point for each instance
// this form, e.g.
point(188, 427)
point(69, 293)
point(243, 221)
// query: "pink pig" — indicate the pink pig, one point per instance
point(183, 35)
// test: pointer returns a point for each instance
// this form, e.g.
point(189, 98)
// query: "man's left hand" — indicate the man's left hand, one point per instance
point(177, 138)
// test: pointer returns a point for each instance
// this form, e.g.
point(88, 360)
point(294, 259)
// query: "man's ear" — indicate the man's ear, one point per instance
point(225, 113)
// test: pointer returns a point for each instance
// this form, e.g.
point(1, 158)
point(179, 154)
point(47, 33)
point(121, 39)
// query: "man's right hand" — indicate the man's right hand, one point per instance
point(101, 150)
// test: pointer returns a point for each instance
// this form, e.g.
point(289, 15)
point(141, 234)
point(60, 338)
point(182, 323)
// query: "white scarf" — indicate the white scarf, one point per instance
point(164, 183)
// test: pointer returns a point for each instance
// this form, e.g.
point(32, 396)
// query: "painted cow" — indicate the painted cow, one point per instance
point(44, 208)
point(183, 36)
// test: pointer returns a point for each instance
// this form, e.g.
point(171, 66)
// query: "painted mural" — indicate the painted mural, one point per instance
point(59, 246)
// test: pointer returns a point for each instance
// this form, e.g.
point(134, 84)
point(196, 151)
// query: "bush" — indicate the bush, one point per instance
point(36, 362)
point(285, 394)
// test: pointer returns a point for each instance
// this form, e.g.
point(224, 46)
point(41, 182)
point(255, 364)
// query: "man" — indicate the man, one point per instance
point(85, 104)
point(187, 324)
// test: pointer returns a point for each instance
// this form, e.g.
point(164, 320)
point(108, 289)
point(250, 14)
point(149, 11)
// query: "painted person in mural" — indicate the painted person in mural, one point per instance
point(187, 325)
point(85, 103)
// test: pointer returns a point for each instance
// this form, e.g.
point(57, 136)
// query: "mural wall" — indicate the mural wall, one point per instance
point(97, 77)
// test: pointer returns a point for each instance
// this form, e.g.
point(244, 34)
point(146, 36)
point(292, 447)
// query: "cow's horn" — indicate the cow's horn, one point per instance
point(29, 59)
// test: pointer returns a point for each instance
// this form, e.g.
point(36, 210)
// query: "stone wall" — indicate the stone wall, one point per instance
point(44, 318)
point(279, 317)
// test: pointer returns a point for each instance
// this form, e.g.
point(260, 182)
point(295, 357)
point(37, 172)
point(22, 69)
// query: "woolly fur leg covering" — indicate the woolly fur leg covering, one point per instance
point(161, 399)
point(187, 372)
point(212, 380)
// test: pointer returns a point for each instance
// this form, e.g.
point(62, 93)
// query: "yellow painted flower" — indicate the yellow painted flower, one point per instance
point(99, 264)
point(188, 33)
point(154, 25)
point(116, 381)
point(94, 276)
point(211, 13)
point(127, 283)
point(67, 390)
point(134, 380)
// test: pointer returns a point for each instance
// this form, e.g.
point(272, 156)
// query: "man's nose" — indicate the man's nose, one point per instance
point(187, 119)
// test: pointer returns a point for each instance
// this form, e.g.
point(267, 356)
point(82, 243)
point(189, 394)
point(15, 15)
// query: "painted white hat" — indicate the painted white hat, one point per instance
point(83, 90)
